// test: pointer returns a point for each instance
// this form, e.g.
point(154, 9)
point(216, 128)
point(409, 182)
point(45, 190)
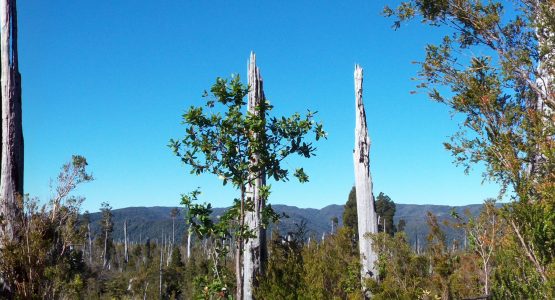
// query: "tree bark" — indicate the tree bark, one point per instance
point(188, 243)
point(126, 255)
point(239, 250)
point(255, 253)
point(173, 230)
point(90, 243)
point(11, 179)
point(11, 161)
point(105, 252)
point(146, 288)
point(161, 260)
point(367, 219)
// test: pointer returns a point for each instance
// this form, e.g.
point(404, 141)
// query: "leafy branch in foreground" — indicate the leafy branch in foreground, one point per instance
point(222, 143)
point(495, 69)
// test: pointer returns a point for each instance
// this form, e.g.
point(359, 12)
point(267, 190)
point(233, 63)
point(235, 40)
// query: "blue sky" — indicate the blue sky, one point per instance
point(110, 79)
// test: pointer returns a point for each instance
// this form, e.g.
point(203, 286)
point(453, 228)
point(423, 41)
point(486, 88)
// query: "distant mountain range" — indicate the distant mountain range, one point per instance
point(155, 222)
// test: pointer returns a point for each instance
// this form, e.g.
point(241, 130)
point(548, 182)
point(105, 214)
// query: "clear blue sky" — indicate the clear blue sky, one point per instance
point(110, 79)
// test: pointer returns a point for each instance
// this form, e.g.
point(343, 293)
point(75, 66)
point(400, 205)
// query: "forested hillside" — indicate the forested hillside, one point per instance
point(153, 222)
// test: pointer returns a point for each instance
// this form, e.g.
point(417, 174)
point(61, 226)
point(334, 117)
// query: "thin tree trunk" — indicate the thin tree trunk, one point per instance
point(105, 253)
point(239, 252)
point(169, 252)
point(255, 254)
point(367, 219)
point(126, 255)
point(465, 238)
point(529, 252)
point(189, 243)
point(161, 260)
point(11, 179)
point(146, 288)
point(416, 246)
point(173, 230)
point(486, 277)
point(90, 243)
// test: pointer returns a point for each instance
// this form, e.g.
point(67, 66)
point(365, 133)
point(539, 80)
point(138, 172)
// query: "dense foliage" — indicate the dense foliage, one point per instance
point(62, 262)
point(494, 69)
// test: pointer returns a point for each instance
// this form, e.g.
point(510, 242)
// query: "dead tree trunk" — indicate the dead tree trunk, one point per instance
point(144, 293)
point(105, 252)
point(239, 250)
point(161, 261)
point(255, 252)
point(367, 219)
point(126, 253)
point(173, 231)
point(90, 243)
point(189, 243)
point(11, 179)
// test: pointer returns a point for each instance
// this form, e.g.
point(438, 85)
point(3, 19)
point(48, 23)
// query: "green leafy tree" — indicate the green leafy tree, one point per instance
point(350, 217)
point(221, 138)
point(495, 70)
point(385, 209)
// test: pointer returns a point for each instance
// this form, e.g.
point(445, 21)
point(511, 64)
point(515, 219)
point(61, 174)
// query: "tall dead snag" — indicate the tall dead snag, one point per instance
point(189, 232)
point(89, 236)
point(125, 251)
point(367, 219)
point(11, 180)
point(255, 252)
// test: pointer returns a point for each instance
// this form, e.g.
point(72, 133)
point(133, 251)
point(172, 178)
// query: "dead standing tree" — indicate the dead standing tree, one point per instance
point(125, 241)
point(11, 180)
point(255, 252)
point(367, 219)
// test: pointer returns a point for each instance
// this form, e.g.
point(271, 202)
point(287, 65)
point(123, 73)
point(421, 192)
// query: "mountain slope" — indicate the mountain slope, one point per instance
point(155, 222)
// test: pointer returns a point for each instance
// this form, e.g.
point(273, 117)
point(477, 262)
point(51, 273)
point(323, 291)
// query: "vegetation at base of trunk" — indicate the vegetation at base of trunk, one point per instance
point(298, 267)
point(48, 261)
